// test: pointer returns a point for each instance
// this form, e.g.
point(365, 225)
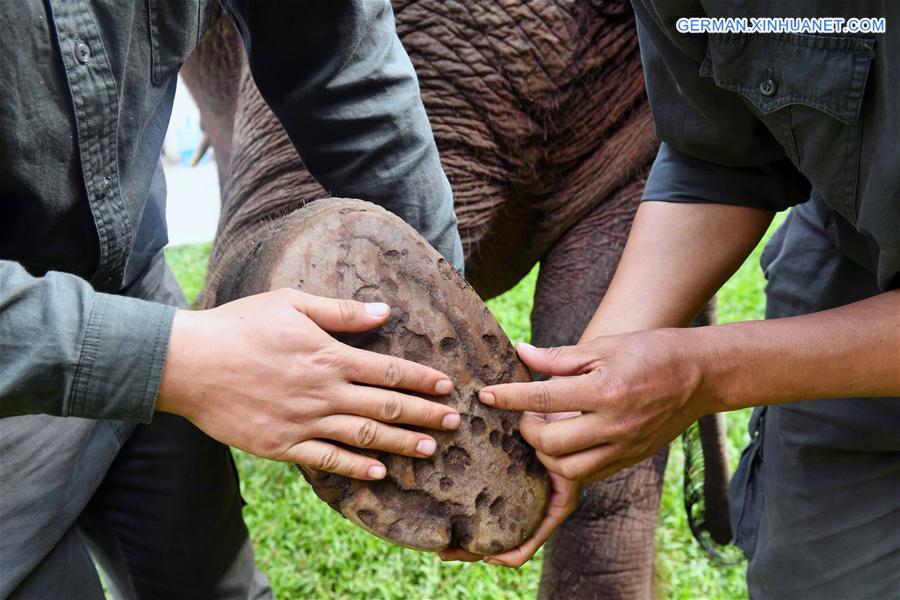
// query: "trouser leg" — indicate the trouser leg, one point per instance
point(157, 505)
point(73, 574)
point(166, 521)
point(817, 495)
point(49, 467)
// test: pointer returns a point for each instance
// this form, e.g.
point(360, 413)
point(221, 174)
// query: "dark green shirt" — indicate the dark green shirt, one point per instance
point(772, 120)
point(87, 93)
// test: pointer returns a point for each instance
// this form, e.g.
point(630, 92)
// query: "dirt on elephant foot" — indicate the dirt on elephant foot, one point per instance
point(483, 489)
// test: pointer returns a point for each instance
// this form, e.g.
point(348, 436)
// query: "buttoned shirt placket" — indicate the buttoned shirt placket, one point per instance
point(95, 103)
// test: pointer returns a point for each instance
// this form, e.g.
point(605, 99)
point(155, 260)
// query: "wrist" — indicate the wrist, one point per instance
point(171, 386)
point(715, 362)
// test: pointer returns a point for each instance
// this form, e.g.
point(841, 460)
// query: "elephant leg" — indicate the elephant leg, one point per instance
point(606, 548)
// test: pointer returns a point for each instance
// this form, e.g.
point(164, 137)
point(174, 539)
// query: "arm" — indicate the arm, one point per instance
point(337, 77)
point(702, 243)
point(640, 390)
point(850, 351)
point(68, 351)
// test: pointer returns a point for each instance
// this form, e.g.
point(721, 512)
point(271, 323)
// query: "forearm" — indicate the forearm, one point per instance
point(676, 258)
point(338, 79)
point(850, 351)
point(66, 350)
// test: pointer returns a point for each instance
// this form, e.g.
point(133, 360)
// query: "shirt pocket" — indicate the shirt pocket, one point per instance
point(808, 90)
point(175, 30)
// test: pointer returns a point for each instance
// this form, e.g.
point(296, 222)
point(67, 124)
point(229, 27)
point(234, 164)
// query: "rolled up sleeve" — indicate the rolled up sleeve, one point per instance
point(337, 77)
point(679, 177)
point(66, 350)
point(713, 148)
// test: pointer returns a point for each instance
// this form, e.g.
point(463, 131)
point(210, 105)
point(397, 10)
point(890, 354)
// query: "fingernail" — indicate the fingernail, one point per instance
point(525, 346)
point(426, 447)
point(443, 387)
point(378, 309)
point(377, 472)
point(487, 398)
point(450, 421)
point(494, 562)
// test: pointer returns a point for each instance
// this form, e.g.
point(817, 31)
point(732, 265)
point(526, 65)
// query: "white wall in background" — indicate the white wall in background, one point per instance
point(192, 209)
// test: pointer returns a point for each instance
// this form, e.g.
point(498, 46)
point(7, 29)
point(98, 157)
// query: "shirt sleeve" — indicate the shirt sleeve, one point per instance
point(713, 148)
point(66, 350)
point(337, 77)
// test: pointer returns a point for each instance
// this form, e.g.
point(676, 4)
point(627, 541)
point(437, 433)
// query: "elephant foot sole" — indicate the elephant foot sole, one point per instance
point(483, 489)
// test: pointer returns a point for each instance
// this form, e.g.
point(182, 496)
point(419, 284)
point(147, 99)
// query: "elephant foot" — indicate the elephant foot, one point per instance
point(483, 490)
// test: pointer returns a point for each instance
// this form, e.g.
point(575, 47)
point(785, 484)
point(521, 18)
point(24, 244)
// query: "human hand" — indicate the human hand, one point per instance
point(564, 497)
point(262, 374)
point(636, 391)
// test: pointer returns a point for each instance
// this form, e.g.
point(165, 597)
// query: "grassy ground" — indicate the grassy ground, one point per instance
point(309, 551)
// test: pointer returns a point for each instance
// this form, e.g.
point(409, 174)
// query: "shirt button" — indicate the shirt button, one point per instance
point(82, 52)
point(103, 187)
point(768, 88)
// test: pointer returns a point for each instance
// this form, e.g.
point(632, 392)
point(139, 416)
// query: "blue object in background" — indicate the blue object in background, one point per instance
point(188, 137)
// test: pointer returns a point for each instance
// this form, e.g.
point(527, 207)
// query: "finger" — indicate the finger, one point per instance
point(340, 314)
point(581, 465)
point(363, 366)
point(549, 417)
point(562, 415)
point(559, 360)
point(611, 469)
point(372, 435)
point(459, 554)
point(561, 437)
point(389, 406)
point(555, 395)
point(517, 557)
point(333, 459)
point(562, 503)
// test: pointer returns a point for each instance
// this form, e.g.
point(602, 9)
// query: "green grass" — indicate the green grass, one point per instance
point(307, 550)
point(189, 265)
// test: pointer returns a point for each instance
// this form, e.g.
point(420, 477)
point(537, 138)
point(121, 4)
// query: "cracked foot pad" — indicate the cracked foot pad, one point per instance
point(483, 489)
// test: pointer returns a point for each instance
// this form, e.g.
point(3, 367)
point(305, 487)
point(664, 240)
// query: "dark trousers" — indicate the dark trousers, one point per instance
point(816, 498)
point(157, 506)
